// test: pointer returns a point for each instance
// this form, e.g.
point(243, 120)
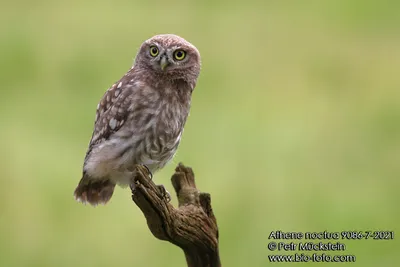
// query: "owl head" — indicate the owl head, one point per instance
point(171, 56)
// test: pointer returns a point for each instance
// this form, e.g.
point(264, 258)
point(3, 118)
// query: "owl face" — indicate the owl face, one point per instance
point(170, 55)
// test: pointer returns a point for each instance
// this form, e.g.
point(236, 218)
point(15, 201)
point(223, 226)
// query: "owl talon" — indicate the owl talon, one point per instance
point(148, 170)
point(132, 186)
point(167, 196)
point(164, 193)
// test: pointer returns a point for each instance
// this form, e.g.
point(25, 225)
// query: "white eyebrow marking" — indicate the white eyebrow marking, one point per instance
point(119, 85)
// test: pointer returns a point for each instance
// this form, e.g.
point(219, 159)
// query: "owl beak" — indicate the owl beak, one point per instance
point(163, 63)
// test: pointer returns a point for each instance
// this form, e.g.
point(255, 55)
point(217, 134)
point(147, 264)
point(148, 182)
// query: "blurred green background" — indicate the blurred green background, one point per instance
point(295, 125)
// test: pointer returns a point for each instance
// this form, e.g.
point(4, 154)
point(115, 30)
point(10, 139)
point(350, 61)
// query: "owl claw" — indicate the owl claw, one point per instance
point(164, 193)
point(148, 170)
point(132, 186)
point(167, 196)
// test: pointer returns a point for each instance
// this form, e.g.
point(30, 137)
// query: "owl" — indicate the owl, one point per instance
point(140, 118)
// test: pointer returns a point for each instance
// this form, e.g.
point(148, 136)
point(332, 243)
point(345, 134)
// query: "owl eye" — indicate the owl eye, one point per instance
point(154, 51)
point(179, 54)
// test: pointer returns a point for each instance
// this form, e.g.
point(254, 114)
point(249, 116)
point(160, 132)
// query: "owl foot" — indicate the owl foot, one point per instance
point(132, 186)
point(140, 171)
point(164, 193)
point(148, 170)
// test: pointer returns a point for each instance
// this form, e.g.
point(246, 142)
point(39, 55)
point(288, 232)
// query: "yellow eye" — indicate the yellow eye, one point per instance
point(153, 51)
point(179, 54)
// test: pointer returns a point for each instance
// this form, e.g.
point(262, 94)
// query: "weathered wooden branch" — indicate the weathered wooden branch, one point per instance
point(192, 226)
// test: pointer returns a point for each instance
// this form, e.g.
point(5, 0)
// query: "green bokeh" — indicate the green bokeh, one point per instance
point(295, 125)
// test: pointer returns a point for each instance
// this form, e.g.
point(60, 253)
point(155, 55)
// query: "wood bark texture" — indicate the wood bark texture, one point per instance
point(192, 226)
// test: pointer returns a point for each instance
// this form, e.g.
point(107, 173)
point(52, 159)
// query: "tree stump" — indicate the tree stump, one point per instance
point(192, 226)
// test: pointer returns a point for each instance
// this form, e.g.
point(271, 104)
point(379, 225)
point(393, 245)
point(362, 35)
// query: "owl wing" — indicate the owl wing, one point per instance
point(112, 112)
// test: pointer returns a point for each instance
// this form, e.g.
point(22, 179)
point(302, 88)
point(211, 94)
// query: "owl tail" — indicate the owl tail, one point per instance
point(94, 191)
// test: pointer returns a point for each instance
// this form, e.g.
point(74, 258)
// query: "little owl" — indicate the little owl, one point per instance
point(140, 119)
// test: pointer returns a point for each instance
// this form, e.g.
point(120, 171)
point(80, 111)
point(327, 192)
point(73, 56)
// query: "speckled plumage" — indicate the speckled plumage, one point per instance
point(140, 119)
